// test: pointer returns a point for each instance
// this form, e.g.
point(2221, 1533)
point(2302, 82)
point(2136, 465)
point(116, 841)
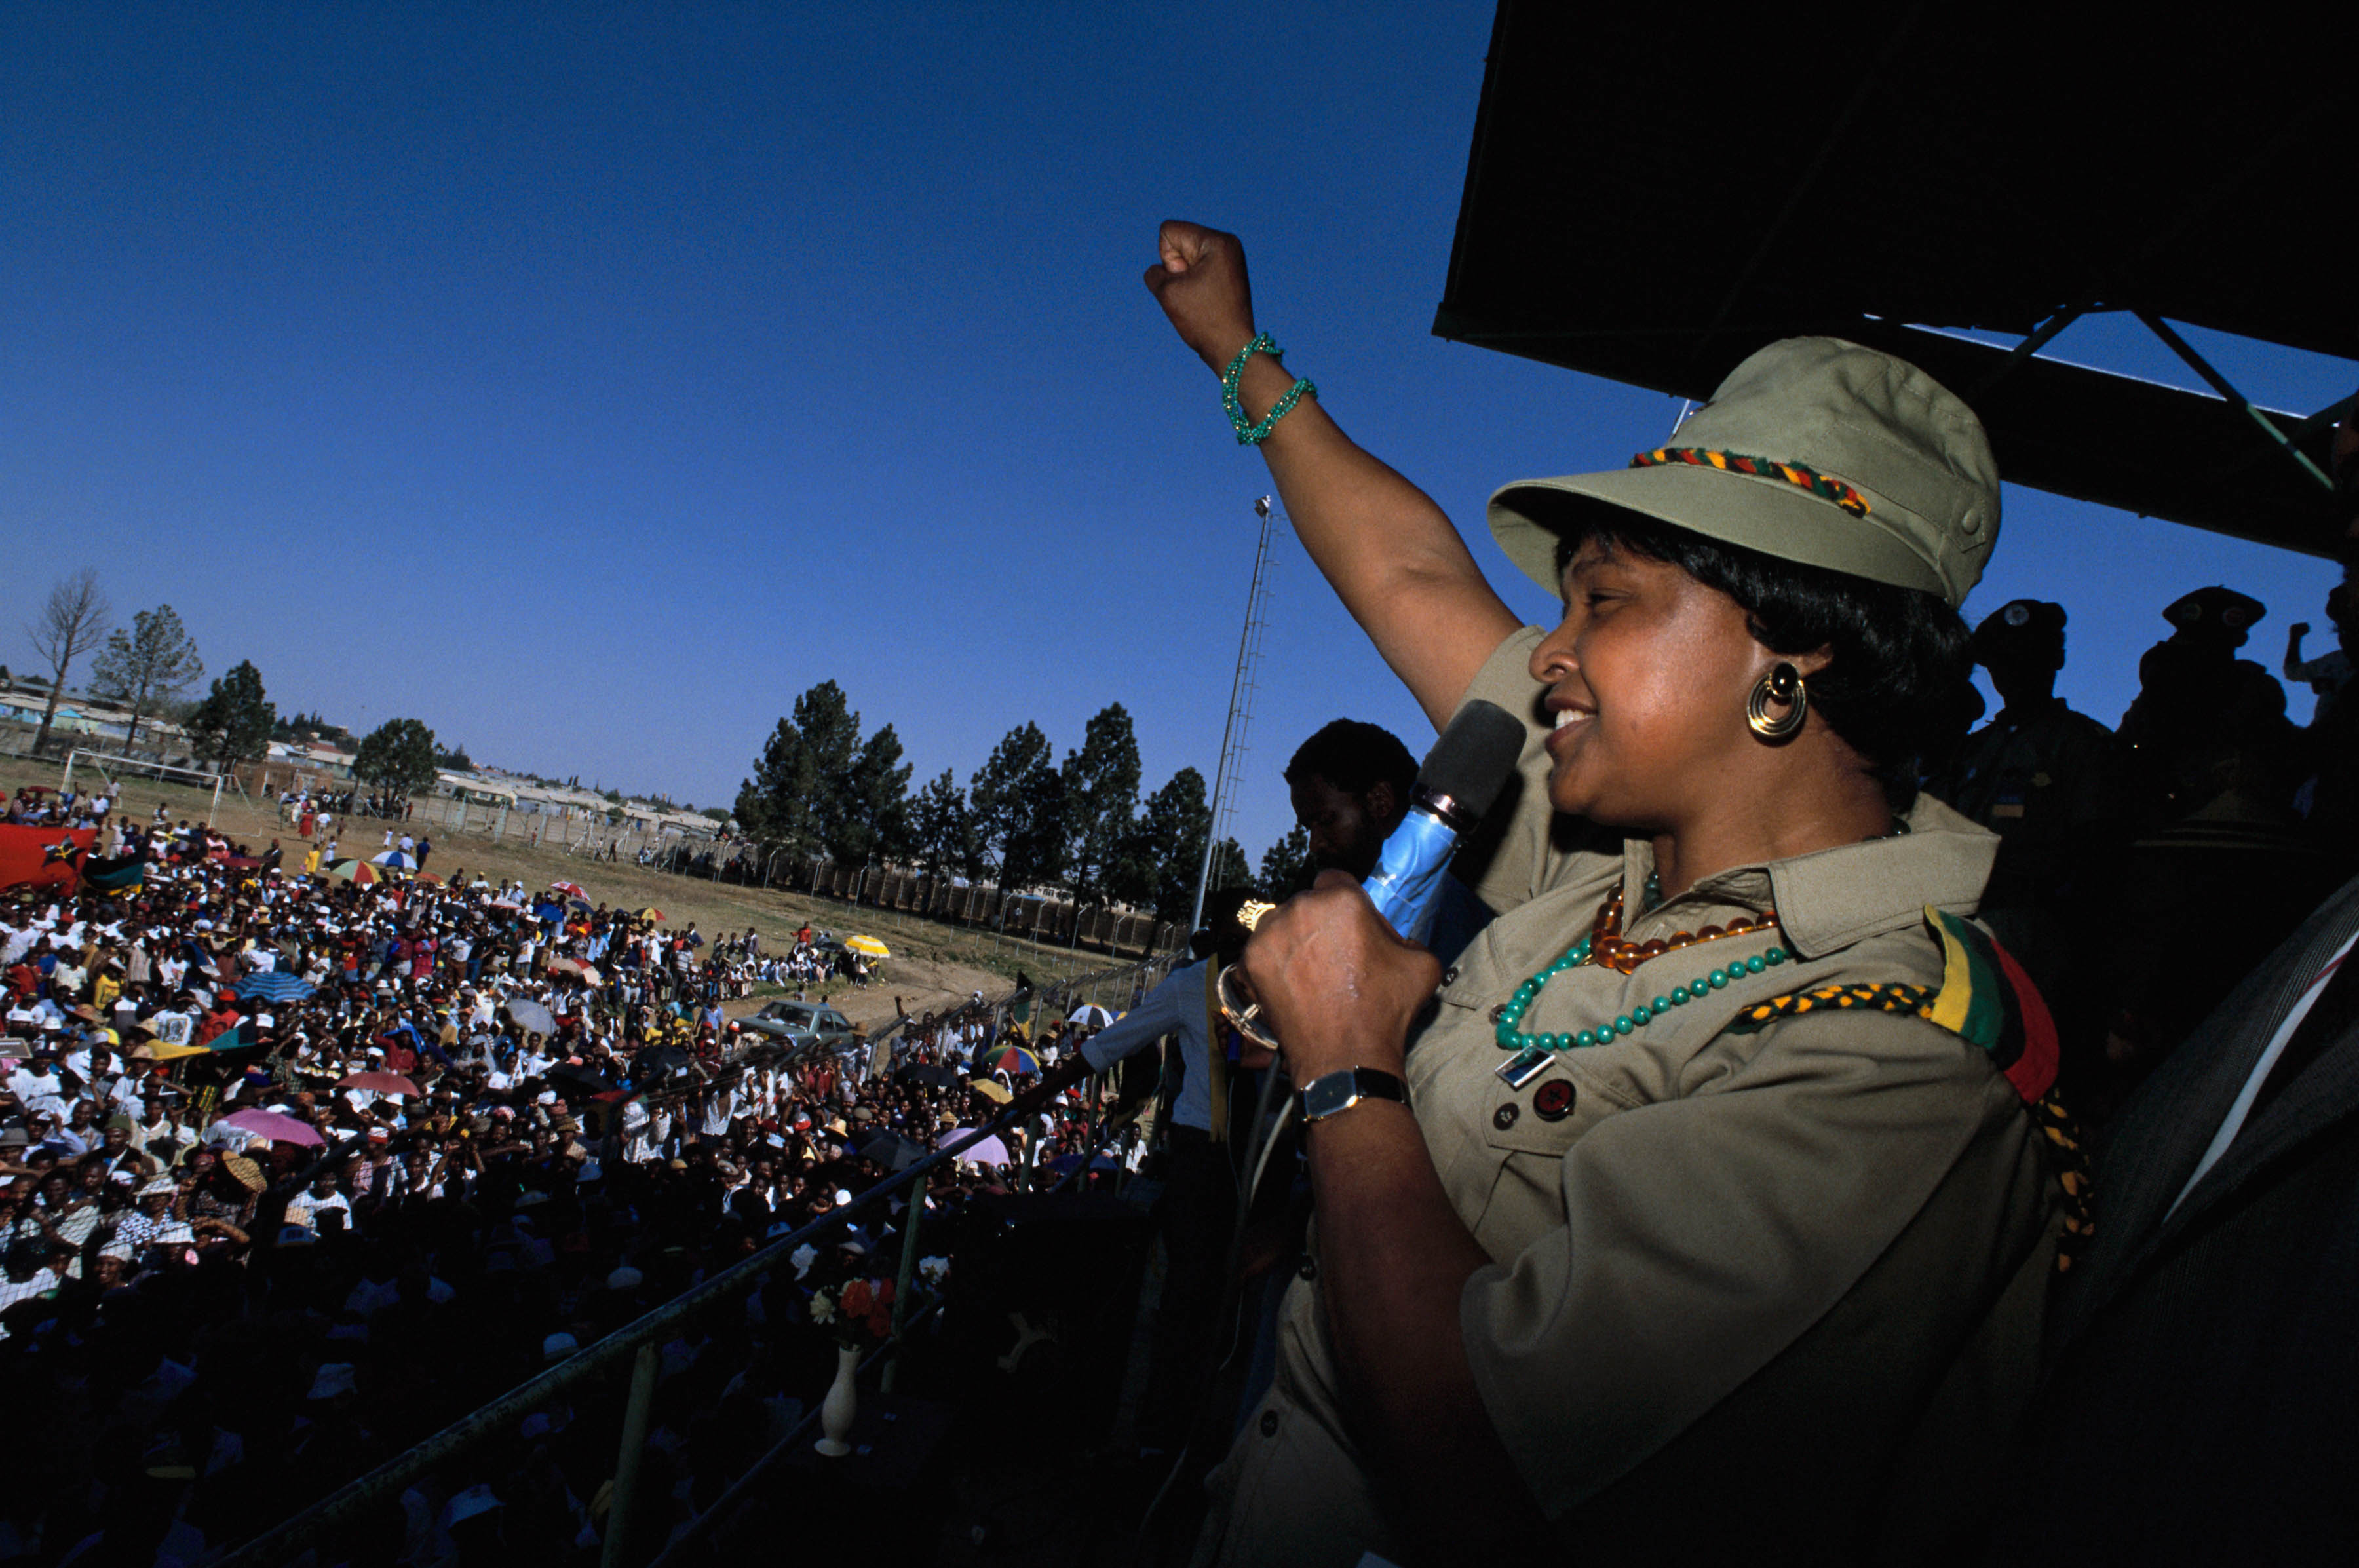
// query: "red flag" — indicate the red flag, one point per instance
point(43, 857)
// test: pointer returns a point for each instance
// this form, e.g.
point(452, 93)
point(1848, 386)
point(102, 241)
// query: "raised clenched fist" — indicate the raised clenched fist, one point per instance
point(1201, 283)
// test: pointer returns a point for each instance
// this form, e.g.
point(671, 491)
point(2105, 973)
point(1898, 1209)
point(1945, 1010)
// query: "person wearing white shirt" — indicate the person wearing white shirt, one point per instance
point(39, 1087)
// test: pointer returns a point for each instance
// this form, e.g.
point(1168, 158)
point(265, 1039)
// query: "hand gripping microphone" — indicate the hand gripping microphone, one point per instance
point(1459, 783)
point(1457, 786)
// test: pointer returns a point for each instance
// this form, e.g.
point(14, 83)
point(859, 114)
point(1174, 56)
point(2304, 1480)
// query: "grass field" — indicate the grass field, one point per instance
point(934, 964)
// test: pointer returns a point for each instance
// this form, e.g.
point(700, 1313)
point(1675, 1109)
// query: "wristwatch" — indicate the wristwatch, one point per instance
point(1331, 1093)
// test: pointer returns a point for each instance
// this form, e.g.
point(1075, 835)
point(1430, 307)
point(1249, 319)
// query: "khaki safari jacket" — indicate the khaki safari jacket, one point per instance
point(1776, 1289)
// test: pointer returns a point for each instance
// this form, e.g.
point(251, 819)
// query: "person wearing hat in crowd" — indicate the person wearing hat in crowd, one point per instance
point(2048, 781)
point(2212, 764)
point(1692, 1215)
point(2206, 724)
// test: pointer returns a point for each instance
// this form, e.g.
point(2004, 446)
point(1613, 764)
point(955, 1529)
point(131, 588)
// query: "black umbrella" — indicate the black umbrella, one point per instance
point(655, 1064)
point(929, 1075)
point(576, 1080)
point(889, 1148)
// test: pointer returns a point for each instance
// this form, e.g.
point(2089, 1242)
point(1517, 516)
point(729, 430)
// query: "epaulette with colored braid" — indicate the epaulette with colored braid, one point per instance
point(1986, 1000)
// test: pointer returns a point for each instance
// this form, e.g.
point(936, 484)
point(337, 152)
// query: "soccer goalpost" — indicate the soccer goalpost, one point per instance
point(108, 764)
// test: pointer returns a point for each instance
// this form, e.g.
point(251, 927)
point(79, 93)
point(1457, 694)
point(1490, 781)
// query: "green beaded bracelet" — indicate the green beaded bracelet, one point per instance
point(1248, 432)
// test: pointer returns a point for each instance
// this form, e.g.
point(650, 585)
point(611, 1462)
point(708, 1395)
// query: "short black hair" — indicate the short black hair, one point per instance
point(1894, 686)
point(1355, 757)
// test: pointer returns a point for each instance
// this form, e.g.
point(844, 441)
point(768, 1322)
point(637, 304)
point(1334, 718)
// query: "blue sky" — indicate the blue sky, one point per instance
point(589, 380)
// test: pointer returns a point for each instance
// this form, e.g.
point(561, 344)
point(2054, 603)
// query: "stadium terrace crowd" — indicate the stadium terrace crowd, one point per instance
point(294, 1172)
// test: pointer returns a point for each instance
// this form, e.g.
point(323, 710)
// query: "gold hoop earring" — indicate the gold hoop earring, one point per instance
point(1782, 684)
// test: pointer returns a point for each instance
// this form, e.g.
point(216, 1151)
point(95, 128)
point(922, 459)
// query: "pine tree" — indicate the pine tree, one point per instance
point(233, 723)
point(942, 831)
point(793, 799)
point(398, 756)
point(1017, 799)
point(148, 666)
point(873, 815)
point(1100, 791)
point(1285, 866)
point(1165, 848)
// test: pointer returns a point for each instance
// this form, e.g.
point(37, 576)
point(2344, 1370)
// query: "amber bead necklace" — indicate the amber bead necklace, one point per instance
point(1606, 945)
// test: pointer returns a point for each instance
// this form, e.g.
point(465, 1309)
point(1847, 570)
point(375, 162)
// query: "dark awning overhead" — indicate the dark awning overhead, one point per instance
point(1653, 202)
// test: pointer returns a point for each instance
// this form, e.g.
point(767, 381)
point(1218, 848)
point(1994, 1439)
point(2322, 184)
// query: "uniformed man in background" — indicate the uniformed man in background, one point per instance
point(2043, 778)
point(2048, 781)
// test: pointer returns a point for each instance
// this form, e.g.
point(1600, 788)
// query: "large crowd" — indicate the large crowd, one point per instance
point(294, 1170)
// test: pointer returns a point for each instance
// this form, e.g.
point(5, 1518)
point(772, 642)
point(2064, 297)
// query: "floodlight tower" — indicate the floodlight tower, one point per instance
point(1228, 778)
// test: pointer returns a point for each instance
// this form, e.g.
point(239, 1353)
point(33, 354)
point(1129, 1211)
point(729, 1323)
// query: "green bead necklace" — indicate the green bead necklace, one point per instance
point(1535, 1050)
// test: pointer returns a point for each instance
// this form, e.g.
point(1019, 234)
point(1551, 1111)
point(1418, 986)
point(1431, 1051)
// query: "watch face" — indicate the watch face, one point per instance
point(1328, 1093)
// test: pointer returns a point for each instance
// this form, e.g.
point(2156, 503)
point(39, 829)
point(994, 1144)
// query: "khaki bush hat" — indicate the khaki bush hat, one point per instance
point(1814, 451)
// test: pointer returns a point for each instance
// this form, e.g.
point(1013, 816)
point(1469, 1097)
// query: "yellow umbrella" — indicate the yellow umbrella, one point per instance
point(174, 1053)
point(870, 946)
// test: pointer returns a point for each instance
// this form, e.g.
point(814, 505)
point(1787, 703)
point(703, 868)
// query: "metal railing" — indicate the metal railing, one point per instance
point(341, 1509)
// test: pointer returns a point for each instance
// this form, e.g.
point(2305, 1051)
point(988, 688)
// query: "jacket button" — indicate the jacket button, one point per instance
point(1449, 975)
point(1552, 1101)
point(1269, 1423)
point(1505, 1117)
point(1309, 1268)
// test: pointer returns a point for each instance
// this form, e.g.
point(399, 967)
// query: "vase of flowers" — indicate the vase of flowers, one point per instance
point(859, 1311)
point(843, 1401)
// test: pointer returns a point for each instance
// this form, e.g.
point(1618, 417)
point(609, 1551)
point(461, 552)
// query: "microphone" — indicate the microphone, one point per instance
point(1460, 781)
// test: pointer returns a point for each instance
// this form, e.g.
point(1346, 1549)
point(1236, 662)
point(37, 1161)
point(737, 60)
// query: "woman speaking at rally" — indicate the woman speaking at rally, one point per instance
point(1709, 1206)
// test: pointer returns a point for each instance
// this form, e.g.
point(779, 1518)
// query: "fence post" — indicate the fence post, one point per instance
point(908, 1269)
point(626, 1463)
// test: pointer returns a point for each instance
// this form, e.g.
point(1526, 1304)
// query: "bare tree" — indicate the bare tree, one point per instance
point(70, 625)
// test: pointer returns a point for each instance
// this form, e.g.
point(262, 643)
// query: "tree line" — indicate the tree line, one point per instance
point(1024, 818)
point(146, 667)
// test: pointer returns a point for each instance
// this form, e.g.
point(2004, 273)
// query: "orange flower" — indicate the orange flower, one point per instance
point(880, 1323)
point(856, 1298)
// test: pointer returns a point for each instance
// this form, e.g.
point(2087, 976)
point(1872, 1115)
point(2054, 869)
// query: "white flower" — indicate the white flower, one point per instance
point(933, 1269)
point(803, 1258)
point(823, 1308)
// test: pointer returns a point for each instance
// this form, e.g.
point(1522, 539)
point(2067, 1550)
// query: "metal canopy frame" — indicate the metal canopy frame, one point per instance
point(1653, 206)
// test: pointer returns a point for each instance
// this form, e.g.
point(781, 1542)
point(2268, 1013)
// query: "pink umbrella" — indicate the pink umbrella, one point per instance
point(983, 1152)
point(272, 1125)
point(382, 1082)
point(573, 888)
